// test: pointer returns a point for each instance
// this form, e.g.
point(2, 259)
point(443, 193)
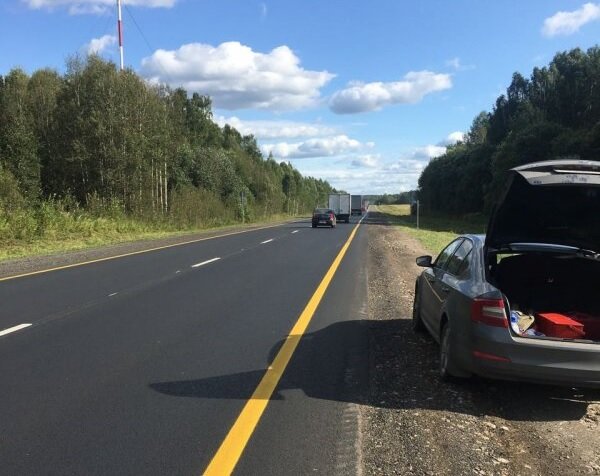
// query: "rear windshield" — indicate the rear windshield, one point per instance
point(323, 210)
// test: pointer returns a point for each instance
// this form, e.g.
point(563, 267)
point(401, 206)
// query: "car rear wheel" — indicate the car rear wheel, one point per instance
point(417, 322)
point(314, 226)
point(448, 370)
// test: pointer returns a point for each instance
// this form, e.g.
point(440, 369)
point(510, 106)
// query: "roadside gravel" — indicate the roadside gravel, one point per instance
point(413, 423)
point(41, 262)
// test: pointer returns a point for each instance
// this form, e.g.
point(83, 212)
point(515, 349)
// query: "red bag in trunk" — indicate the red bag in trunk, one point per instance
point(558, 325)
point(590, 323)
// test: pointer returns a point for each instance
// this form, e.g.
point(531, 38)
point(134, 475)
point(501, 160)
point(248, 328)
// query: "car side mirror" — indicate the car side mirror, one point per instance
point(424, 261)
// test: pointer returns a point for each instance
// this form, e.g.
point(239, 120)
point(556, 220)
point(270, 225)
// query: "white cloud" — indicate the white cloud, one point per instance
point(427, 152)
point(368, 160)
point(453, 63)
point(93, 6)
point(398, 176)
point(99, 45)
point(406, 167)
point(457, 65)
point(316, 147)
point(236, 77)
point(276, 129)
point(385, 179)
point(364, 97)
point(430, 151)
point(369, 173)
point(567, 23)
point(452, 138)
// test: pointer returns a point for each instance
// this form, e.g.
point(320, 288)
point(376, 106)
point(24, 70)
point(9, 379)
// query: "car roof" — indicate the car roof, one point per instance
point(478, 238)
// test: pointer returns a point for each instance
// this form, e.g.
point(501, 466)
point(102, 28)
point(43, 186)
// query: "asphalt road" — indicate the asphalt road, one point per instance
point(142, 364)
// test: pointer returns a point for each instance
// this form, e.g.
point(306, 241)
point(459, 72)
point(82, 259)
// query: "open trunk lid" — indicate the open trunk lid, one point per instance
point(549, 203)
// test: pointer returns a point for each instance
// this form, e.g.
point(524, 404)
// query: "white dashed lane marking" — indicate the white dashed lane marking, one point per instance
point(197, 265)
point(13, 329)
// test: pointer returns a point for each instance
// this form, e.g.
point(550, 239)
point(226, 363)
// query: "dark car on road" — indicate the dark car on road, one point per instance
point(523, 301)
point(323, 216)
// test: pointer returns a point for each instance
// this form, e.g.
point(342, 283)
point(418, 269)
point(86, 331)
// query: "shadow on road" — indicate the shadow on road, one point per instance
point(398, 371)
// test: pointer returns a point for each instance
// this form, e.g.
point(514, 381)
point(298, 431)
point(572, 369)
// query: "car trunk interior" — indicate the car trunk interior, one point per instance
point(551, 295)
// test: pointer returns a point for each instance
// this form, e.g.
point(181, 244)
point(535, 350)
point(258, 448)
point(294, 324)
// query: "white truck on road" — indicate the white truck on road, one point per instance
point(340, 204)
point(356, 208)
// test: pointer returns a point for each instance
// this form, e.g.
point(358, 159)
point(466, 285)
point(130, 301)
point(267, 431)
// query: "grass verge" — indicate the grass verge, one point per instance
point(434, 232)
point(72, 233)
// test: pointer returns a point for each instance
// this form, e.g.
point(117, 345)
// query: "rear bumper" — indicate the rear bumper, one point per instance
point(322, 223)
point(533, 360)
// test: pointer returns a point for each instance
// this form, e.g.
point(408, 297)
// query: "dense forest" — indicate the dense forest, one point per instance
point(553, 114)
point(97, 142)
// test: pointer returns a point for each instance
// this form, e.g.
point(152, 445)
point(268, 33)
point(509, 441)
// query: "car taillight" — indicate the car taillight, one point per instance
point(490, 312)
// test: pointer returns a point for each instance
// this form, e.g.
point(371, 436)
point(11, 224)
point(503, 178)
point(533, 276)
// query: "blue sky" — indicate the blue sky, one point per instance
point(362, 94)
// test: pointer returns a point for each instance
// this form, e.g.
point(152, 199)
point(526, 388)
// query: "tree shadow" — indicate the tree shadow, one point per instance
point(384, 364)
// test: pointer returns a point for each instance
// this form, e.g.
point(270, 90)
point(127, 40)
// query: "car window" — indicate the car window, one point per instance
point(459, 258)
point(466, 264)
point(446, 253)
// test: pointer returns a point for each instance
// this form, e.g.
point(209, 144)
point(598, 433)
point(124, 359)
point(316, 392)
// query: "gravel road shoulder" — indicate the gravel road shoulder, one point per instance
point(416, 424)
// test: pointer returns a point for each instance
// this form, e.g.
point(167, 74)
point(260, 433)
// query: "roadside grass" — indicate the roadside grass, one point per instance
point(23, 234)
point(434, 232)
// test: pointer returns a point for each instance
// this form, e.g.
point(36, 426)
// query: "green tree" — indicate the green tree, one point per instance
point(555, 113)
point(18, 145)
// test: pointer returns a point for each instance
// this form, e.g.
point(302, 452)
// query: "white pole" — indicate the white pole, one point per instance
point(120, 30)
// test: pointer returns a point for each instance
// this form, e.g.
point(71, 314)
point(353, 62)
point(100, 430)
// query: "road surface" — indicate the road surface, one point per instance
point(143, 364)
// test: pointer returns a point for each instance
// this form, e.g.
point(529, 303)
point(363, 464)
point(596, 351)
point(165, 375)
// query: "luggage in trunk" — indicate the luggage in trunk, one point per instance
point(590, 323)
point(552, 324)
point(559, 291)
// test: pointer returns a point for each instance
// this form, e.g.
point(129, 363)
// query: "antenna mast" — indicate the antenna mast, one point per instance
point(120, 30)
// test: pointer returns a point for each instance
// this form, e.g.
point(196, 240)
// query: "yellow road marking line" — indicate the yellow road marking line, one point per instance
point(232, 447)
point(108, 258)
